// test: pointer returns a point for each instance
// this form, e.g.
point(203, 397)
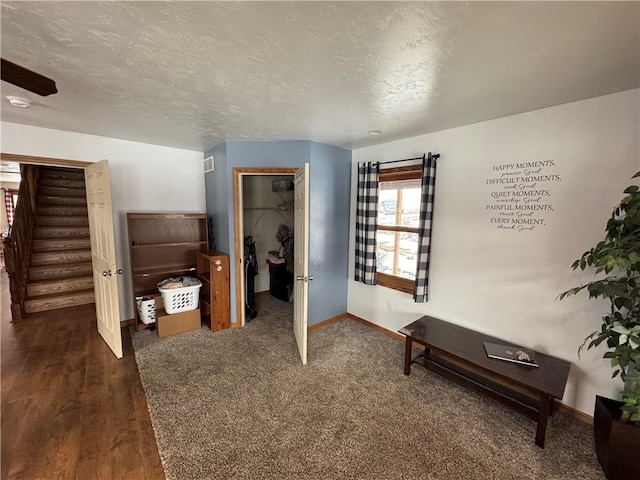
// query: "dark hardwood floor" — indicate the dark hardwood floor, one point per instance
point(70, 409)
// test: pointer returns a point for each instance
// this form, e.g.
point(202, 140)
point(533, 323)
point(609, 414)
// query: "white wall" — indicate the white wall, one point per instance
point(144, 178)
point(263, 224)
point(506, 282)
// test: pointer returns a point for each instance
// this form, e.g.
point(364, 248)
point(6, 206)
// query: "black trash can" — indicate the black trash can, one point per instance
point(280, 282)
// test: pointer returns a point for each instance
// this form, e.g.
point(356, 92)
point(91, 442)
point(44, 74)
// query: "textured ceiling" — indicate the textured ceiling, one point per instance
point(195, 74)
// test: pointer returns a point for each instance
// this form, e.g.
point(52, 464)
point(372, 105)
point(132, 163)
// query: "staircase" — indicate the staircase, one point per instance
point(60, 273)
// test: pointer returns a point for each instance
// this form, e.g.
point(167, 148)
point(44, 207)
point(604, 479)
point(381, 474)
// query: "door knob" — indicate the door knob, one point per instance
point(300, 278)
point(119, 271)
point(310, 277)
point(106, 273)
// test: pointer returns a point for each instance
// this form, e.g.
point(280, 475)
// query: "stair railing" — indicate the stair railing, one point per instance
point(17, 246)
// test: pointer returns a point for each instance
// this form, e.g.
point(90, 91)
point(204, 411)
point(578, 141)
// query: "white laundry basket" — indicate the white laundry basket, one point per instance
point(181, 299)
point(146, 309)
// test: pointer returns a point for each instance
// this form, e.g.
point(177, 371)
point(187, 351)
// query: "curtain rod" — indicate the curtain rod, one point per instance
point(435, 156)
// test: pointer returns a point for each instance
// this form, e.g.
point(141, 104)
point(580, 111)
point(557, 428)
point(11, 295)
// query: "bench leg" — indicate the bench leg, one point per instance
point(543, 416)
point(408, 347)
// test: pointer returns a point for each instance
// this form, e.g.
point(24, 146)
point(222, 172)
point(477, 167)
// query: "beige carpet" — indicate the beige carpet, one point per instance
point(238, 404)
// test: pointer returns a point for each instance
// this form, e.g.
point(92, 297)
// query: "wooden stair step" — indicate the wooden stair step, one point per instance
point(61, 182)
point(62, 191)
point(51, 200)
point(60, 232)
point(49, 244)
point(65, 173)
point(60, 274)
point(52, 221)
point(47, 287)
point(61, 210)
point(54, 301)
point(61, 271)
point(61, 256)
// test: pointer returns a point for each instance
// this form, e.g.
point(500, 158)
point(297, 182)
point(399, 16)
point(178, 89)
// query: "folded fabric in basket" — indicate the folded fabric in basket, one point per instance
point(171, 283)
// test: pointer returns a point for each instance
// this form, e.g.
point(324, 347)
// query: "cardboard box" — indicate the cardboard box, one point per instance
point(177, 322)
point(159, 304)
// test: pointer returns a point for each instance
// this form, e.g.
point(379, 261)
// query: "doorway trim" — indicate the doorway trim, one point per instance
point(55, 162)
point(238, 172)
point(35, 160)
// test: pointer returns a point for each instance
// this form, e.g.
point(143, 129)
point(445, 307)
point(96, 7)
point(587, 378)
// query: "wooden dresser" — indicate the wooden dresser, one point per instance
point(213, 272)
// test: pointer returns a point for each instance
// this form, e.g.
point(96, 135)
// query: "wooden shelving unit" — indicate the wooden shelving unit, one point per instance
point(213, 272)
point(163, 245)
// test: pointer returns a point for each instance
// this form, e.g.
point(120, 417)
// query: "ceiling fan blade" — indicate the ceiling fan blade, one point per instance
point(23, 78)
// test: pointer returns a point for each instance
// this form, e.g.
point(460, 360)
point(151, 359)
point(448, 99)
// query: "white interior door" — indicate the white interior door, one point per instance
point(103, 254)
point(301, 259)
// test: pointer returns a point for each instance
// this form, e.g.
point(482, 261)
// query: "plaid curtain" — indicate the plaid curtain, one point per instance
point(8, 205)
point(421, 287)
point(366, 223)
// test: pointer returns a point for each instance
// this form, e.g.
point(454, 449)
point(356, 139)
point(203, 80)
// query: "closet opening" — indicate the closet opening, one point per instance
point(264, 242)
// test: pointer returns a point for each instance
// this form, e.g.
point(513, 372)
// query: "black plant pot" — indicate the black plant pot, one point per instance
point(617, 443)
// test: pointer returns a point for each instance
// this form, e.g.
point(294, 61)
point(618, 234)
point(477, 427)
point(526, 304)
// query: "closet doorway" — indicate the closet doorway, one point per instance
point(264, 210)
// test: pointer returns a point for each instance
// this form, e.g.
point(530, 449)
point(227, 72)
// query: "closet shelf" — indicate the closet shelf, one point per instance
point(275, 209)
point(286, 205)
point(279, 211)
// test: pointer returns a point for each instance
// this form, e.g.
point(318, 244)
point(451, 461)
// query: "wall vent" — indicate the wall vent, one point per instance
point(208, 164)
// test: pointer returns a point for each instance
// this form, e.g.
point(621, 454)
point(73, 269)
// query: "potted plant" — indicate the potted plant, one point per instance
point(617, 424)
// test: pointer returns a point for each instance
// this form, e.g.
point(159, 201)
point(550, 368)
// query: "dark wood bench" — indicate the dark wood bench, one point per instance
point(458, 354)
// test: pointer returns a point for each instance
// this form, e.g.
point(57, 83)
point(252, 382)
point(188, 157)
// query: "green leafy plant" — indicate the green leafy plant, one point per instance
point(618, 257)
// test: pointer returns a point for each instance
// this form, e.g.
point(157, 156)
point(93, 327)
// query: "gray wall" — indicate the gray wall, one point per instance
point(216, 191)
point(330, 186)
point(257, 154)
point(328, 220)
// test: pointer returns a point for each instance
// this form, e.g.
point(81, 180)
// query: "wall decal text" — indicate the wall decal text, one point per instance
point(520, 194)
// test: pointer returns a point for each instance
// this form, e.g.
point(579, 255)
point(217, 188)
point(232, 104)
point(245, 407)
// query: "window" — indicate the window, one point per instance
point(10, 203)
point(397, 233)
